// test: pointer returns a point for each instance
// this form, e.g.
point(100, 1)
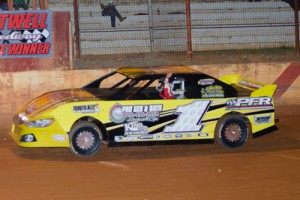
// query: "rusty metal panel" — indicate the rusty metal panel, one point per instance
point(61, 45)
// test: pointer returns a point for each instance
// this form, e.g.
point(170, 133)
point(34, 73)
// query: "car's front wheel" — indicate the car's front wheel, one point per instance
point(85, 139)
point(232, 131)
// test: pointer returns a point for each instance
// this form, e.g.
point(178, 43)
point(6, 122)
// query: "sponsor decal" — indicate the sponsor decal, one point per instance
point(262, 119)
point(190, 135)
point(93, 108)
point(146, 137)
point(132, 138)
point(206, 81)
point(135, 128)
point(25, 34)
point(119, 138)
point(203, 135)
point(59, 138)
point(212, 91)
point(167, 136)
point(250, 84)
point(178, 135)
point(116, 114)
point(189, 117)
point(135, 113)
point(249, 103)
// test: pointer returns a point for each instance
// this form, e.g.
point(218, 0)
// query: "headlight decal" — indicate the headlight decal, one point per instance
point(40, 123)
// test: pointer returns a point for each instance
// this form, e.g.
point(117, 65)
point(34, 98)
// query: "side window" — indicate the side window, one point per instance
point(143, 90)
point(115, 81)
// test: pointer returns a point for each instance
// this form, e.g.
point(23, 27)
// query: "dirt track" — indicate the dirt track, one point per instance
point(267, 167)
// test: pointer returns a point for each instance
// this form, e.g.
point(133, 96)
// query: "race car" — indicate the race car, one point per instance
point(142, 104)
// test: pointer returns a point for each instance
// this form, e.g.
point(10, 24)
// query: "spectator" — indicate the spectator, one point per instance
point(43, 4)
point(17, 4)
point(109, 9)
point(21, 4)
point(3, 5)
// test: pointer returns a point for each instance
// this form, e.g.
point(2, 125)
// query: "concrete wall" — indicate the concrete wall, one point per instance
point(19, 87)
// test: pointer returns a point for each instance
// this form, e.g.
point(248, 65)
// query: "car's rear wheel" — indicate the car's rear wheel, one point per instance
point(232, 131)
point(85, 139)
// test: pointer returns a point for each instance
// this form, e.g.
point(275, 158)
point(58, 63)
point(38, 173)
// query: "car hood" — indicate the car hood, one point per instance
point(51, 99)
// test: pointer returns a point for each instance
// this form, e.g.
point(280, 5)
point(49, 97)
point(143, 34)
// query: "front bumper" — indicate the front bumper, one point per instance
point(43, 137)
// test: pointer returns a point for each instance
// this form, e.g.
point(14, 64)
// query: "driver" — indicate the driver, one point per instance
point(166, 90)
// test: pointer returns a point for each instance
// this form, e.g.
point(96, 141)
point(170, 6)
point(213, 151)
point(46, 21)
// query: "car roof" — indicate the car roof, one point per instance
point(135, 72)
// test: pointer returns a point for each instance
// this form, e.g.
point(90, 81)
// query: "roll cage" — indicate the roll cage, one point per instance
point(144, 86)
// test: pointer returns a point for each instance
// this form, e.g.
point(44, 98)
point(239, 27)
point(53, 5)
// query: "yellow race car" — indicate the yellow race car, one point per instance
point(143, 104)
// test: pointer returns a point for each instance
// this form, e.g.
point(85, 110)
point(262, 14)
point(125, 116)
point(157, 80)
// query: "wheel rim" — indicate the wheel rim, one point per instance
point(85, 140)
point(233, 132)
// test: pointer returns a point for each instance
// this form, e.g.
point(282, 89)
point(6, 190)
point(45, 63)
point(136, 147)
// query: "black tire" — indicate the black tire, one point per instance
point(85, 139)
point(232, 131)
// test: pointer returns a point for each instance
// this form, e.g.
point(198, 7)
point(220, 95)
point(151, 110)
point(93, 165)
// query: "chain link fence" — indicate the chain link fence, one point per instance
point(242, 25)
point(161, 25)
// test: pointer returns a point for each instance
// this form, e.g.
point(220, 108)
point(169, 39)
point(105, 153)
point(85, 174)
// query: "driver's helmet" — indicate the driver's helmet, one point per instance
point(172, 88)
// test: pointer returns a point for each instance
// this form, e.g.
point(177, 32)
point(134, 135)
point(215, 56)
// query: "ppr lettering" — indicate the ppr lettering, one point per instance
point(260, 101)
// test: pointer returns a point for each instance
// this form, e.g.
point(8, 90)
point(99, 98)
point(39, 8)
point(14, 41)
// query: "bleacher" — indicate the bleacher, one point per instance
point(215, 26)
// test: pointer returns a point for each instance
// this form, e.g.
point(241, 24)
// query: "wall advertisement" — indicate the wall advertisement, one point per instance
point(25, 34)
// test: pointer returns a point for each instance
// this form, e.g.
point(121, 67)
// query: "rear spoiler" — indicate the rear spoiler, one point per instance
point(256, 88)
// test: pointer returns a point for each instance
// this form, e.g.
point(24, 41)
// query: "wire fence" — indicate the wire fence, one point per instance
point(161, 25)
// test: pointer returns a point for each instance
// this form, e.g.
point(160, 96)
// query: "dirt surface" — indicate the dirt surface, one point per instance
point(266, 167)
point(197, 58)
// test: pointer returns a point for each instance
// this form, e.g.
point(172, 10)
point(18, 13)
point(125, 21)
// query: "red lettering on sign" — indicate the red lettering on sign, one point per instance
point(28, 21)
point(39, 48)
point(43, 21)
point(25, 21)
point(25, 49)
point(46, 48)
point(15, 21)
point(3, 18)
point(35, 21)
point(33, 48)
point(2, 49)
